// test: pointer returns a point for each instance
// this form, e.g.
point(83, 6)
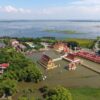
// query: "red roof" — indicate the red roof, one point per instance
point(5, 65)
point(70, 56)
point(45, 57)
point(89, 56)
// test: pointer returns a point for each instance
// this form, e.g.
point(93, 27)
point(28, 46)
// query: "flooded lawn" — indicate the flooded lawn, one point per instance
point(81, 77)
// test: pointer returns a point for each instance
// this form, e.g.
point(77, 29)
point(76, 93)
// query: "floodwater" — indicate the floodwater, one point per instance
point(81, 77)
point(37, 29)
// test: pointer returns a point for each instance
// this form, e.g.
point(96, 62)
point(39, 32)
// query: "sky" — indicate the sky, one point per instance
point(50, 9)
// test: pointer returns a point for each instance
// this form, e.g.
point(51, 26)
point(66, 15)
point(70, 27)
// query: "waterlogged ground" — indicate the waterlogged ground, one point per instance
point(83, 83)
point(81, 77)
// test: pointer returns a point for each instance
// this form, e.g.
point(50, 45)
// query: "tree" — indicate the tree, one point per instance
point(8, 87)
point(21, 68)
point(32, 74)
point(99, 52)
point(59, 93)
point(38, 46)
point(73, 44)
point(22, 98)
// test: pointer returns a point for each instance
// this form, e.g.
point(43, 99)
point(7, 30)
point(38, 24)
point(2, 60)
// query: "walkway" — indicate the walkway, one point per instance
point(91, 65)
point(60, 58)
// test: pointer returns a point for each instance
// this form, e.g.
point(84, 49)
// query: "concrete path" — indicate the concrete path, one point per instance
point(91, 65)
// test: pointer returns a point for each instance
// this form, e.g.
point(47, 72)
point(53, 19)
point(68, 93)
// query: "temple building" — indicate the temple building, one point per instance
point(61, 47)
point(47, 62)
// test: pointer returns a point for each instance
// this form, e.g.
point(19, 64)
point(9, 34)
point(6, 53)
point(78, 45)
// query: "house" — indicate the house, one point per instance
point(2, 45)
point(47, 62)
point(22, 47)
point(31, 44)
point(14, 43)
point(3, 67)
point(47, 45)
point(18, 46)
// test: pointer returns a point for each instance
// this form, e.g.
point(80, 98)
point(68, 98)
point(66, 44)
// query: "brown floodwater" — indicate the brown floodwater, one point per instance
point(81, 77)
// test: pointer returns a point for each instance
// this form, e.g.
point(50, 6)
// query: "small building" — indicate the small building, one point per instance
point(45, 44)
point(73, 61)
point(14, 42)
point(2, 45)
point(22, 47)
point(61, 47)
point(31, 44)
point(3, 67)
point(18, 46)
point(47, 62)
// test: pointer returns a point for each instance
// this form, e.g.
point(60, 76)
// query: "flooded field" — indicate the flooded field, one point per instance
point(81, 77)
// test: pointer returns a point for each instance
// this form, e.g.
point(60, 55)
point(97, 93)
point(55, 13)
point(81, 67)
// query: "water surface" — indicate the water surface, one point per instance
point(36, 29)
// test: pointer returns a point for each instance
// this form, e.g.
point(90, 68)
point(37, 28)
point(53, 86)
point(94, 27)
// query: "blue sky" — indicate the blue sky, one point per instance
point(35, 3)
point(49, 9)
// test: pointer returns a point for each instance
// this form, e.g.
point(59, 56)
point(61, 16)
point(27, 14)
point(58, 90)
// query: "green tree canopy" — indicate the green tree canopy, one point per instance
point(59, 93)
point(8, 87)
point(21, 68)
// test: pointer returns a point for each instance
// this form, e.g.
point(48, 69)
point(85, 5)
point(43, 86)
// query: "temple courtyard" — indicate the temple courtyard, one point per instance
point(81, 77)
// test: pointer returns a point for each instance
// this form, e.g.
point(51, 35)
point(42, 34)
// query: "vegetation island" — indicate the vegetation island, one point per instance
point(61, 31)
point(49, 69)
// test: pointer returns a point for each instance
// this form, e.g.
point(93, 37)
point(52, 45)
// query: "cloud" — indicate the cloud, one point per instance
point(86, 2)
point(78, 9)
point(11, 9)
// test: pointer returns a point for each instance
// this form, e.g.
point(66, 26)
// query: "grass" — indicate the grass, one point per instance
point(85, 93)
point(81, 93)
point(61, 31)
point(82, 42)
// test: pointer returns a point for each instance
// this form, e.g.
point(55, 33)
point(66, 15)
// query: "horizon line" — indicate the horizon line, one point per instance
point(71, 20)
